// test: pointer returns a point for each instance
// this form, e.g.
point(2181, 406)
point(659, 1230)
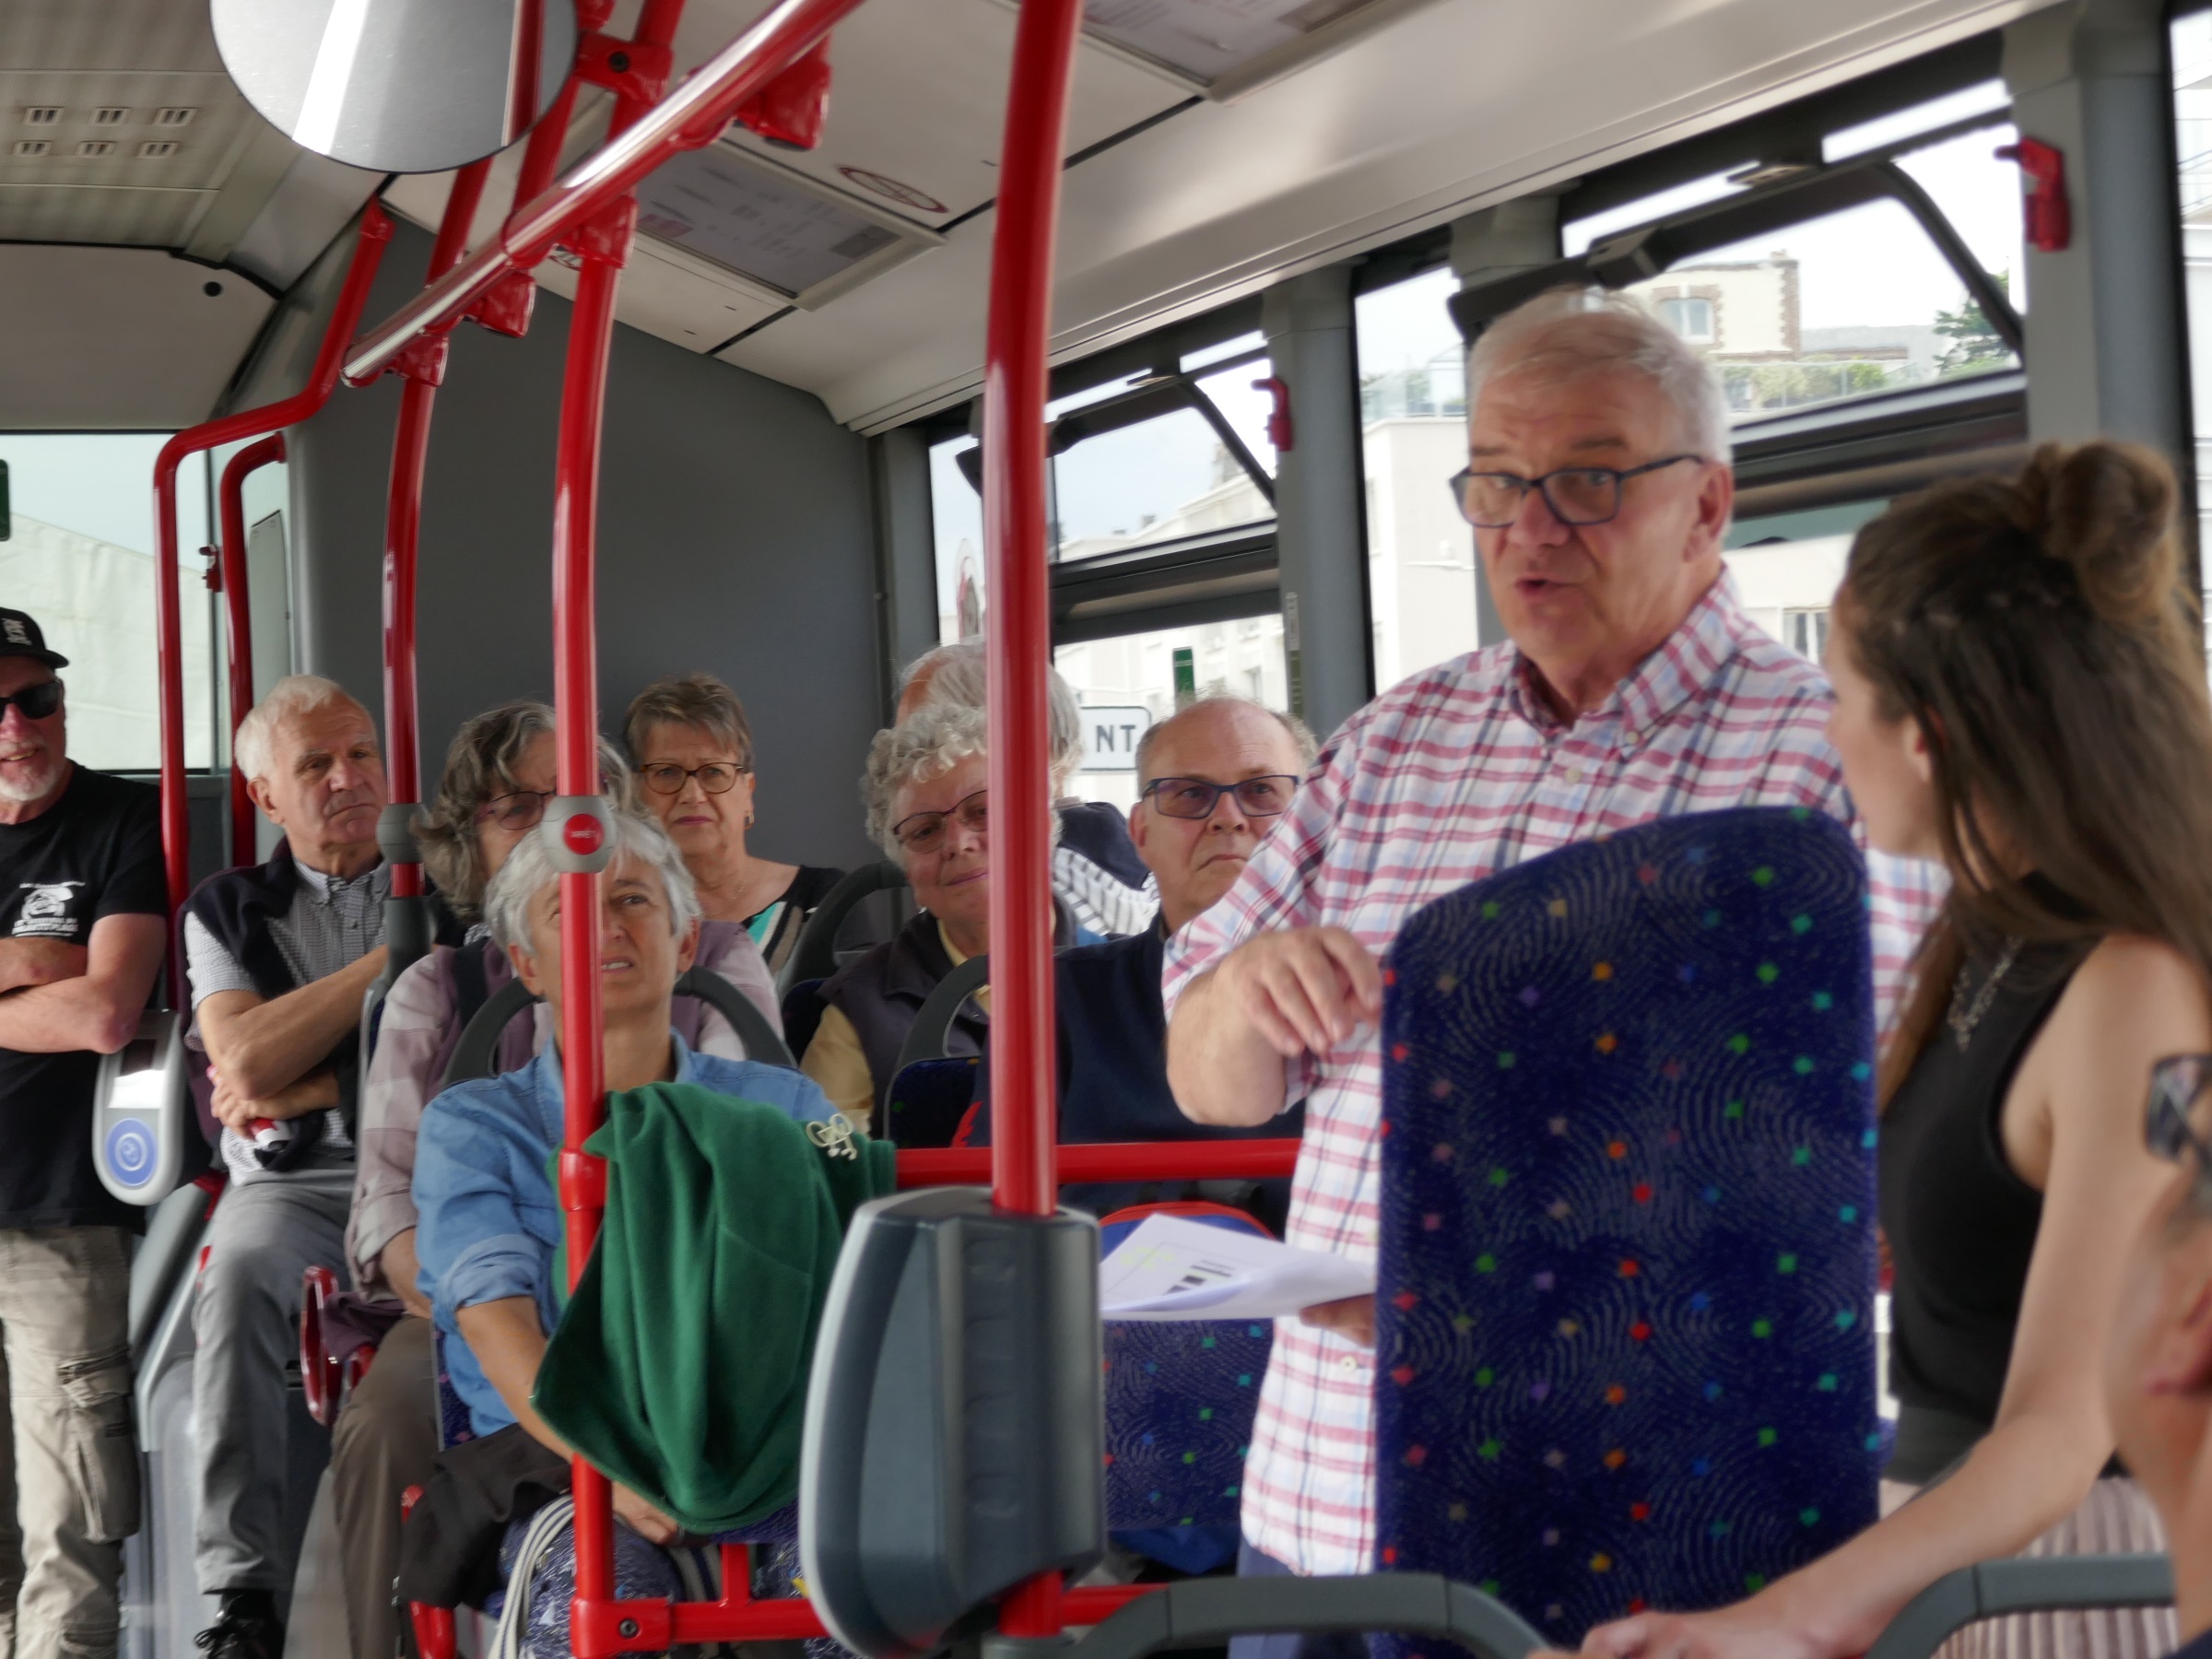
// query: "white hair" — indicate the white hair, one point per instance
point(958, 676)
point(934, 740)
point(290, 697)
point(1574, 331)
point(530, 869)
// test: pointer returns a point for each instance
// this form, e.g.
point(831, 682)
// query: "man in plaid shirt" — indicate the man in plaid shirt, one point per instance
point(1633, 686)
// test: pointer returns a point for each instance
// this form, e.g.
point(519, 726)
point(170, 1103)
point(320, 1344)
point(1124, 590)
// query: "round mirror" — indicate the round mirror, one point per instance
point(398, 86)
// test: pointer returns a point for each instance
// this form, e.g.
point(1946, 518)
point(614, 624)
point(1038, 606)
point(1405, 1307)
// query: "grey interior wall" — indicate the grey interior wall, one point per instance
point(734, 536)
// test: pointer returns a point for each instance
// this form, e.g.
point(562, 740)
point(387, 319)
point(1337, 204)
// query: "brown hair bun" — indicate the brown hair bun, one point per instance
point(2106, 510)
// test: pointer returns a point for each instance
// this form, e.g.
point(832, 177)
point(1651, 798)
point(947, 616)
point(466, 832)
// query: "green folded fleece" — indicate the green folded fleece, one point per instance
point(679, 1365)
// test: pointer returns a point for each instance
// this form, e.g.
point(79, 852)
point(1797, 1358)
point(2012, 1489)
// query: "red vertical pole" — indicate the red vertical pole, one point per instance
point(403, 526)
point(237, 614)
point(1022, 1049)
point(603, 245)
point(1022, 1041)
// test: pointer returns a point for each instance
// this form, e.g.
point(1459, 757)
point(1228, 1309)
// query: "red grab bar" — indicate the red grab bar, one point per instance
point(692, 116)
point(369, 250)
point(238, 616)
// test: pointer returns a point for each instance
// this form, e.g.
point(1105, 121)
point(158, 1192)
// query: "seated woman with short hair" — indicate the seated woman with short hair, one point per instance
point(927, 808)
point(490, 1218)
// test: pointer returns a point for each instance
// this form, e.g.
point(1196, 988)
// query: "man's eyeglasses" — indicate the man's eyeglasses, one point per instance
point(1576, 495)
point(2176, 1083)
point(717, 776)
point(1195, 798)
point(516, 810)
point(924, 832)
point(36, 701)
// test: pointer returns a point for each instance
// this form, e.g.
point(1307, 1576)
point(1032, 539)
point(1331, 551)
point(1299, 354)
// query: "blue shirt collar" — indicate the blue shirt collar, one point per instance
point(544, 1081)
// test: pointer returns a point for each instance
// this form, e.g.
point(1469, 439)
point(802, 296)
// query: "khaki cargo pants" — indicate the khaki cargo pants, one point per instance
point(73, 1459)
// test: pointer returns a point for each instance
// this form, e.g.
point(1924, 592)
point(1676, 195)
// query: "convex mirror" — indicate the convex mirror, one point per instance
point(398, 86)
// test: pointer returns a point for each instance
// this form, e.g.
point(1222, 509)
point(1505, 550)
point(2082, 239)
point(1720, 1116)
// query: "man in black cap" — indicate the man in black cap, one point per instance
point(83, 920)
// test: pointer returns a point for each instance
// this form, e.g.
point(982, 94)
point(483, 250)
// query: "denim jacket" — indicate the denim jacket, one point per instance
point(489, 1217)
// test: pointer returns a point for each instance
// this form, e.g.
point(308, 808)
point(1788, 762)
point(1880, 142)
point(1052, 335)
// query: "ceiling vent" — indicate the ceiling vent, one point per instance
point(110, 115)
point(32, 147)
point(781, 230)
point(154, 149)
point(1226, 48)
point(174, 115)
point(96, 146)
point(43, 115)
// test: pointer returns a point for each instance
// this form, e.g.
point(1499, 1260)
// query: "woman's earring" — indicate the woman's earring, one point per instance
point(749, 821)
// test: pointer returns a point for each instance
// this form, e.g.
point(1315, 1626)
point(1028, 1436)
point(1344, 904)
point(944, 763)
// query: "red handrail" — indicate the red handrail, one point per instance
point(1017, 356)
point(602, 245)
point(369, 250)
point(692, 115)
point(1123, 1160)
point(237, 614)
point(402, 527)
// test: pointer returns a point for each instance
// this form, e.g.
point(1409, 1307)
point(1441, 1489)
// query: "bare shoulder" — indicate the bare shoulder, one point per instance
point(2132, 1000)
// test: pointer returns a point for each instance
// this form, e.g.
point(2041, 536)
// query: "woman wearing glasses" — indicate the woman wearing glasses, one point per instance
point(694, 752)
point(928, 808)
point(499, 775)
point(2020, 692)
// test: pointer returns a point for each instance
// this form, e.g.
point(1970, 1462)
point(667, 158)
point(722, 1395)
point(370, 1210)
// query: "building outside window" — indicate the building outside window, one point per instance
point(1689, 316)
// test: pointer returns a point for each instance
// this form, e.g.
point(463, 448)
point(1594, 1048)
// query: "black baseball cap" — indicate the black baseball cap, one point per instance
point(19, 636)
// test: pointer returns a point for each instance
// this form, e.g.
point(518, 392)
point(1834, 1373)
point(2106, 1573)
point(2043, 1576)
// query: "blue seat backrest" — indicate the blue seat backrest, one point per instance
point(1628, 1265)
point(929, 1098)
point(1180, 1400)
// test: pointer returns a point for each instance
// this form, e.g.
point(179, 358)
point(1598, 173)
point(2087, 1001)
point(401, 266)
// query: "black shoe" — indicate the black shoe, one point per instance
point(247, 1628)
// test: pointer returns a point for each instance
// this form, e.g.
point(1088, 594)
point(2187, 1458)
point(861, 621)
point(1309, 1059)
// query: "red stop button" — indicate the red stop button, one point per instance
point(581, 834)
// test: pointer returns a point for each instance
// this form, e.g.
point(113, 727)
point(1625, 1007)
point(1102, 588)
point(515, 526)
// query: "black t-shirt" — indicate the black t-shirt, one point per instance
point(96, 852)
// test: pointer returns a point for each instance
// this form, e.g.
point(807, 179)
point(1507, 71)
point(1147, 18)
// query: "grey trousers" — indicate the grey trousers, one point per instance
point(71, 1460)
point(384, 1442)
point(267, 1234)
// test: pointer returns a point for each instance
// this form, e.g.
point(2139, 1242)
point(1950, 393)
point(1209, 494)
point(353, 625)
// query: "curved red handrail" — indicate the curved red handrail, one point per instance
point(237, 614)
point(368, 253)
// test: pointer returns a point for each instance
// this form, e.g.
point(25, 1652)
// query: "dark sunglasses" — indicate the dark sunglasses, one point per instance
point(37, 702)
point(1195, 798)
point(2176, 1084)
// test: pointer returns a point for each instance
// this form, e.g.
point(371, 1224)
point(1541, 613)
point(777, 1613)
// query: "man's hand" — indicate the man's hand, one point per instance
point(315, 1092)
point(645, 1519)
point(1305, 990)
point(25, 962)
point(1352, 1319)
point(400, 1267)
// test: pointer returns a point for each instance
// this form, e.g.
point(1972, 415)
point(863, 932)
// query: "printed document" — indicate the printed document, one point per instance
point(1172, 1267)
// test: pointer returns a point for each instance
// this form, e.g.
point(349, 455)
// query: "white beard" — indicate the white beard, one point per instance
point(35, 786)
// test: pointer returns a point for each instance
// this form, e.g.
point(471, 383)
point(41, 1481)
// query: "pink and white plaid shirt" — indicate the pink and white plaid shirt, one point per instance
point(1452, 776)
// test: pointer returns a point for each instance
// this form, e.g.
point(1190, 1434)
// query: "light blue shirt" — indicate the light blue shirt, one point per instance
point(490, 1219)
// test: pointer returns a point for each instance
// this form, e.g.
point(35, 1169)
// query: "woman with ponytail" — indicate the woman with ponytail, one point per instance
point(2020, 692)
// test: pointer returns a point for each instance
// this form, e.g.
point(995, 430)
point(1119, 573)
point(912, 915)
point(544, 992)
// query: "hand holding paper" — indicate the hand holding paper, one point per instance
point(1172, 1268)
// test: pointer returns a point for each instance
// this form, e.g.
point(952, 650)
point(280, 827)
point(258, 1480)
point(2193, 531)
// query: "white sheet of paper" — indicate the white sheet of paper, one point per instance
point(1171, 1267)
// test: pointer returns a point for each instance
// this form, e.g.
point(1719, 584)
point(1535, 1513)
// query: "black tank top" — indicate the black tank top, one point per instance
point(1961, 1225)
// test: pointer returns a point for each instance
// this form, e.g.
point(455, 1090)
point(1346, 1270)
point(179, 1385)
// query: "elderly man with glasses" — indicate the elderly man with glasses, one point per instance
point(1633, 686)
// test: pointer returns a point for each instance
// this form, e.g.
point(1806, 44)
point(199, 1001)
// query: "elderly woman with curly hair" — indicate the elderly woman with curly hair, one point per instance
point(928, 808)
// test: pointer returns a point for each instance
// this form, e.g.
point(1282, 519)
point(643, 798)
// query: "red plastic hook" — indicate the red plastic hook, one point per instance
point(2050, 218)
point(790, 110)
point(1281, 433)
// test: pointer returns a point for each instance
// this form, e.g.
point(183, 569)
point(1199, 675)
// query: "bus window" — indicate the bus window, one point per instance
point(957, 513)
point(81, 558)
point(1413, 411)
point(2192, 38)
point(1787, 567)
point(1159, 670)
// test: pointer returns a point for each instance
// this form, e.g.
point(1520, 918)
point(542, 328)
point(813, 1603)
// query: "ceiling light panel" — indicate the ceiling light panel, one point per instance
point(1228, 47)
point(767, 224)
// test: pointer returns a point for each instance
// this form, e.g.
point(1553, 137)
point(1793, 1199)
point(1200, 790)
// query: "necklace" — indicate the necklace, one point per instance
point(1962, 1024)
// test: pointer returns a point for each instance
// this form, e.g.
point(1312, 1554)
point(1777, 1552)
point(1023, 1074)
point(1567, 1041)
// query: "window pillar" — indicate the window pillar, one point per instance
point(1320, 526)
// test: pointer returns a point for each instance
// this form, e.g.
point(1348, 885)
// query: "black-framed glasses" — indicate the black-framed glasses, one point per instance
point(1576, 495)
point(518, 809)
point(924, 832)
point(37, 702)
point(2177, 1082)
point(1196, 798)
point(717, 776)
